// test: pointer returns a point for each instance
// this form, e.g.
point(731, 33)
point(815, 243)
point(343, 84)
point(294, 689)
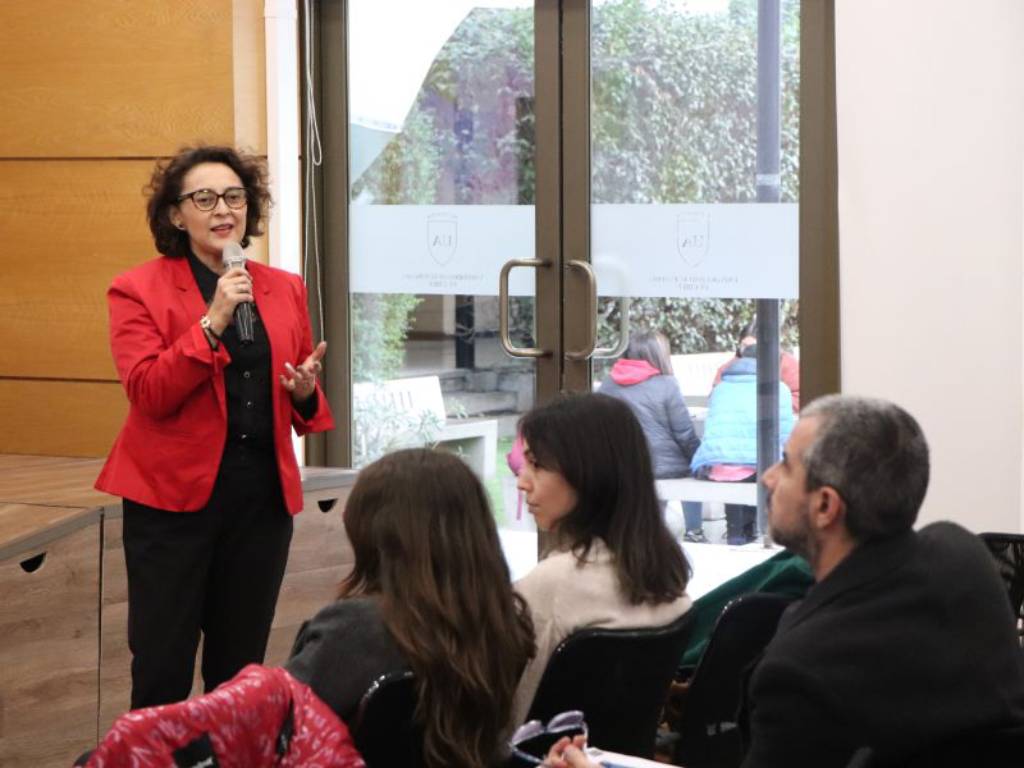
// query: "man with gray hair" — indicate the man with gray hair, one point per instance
point(907, 639)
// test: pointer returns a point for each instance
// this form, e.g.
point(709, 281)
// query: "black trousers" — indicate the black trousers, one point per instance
point(217, 571)
point(741, 520)
point(740, 523)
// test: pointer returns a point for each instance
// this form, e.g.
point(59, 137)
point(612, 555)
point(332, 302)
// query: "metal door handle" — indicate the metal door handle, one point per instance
point(506, 342)
point(619, 348)
point(588, 349)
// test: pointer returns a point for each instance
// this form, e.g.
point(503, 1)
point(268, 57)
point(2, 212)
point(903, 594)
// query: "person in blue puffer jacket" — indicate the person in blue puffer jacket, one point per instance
point(728, 449)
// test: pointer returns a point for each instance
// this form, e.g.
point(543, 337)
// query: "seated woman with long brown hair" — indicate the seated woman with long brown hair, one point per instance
point(430, 591)
point(588, 481)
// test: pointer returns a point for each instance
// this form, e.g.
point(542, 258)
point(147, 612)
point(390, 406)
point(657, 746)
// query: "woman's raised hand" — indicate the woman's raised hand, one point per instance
point(301, 381)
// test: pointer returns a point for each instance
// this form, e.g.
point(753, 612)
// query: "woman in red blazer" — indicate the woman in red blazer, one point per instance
point(204, 461)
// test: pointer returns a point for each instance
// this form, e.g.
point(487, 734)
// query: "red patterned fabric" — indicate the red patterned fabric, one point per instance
point(243, 719)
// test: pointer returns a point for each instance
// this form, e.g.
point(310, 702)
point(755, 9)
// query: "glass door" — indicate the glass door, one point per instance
point(529, 184)
point(692, 152)
point(443, 165)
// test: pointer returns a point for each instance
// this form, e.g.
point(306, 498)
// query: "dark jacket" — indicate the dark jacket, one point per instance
point(665, 419)
point(343, 649)
point(908, 642)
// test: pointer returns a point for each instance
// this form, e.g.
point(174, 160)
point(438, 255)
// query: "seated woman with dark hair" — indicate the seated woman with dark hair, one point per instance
point(430, 591)
point(588, 481)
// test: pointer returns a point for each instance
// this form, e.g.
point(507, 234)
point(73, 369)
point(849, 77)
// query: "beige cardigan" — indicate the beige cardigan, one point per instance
point(565, 595)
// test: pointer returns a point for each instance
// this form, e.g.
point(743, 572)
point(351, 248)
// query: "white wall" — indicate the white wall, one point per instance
point(930, 102)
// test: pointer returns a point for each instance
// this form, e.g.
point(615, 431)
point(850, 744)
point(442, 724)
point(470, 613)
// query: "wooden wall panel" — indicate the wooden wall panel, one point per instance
point(250, 76)
point(116, 78)
point(68, 227)
point(60, 418)
point(93, 93)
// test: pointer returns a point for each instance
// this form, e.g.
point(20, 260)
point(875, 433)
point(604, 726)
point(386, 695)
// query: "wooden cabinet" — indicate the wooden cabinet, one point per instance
point(49, 643)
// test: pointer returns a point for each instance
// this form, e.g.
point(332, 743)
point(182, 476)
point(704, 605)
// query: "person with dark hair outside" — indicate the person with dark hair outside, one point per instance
point(728, 449)
point(588, 481)
point(429, 592)
point(789, 366)
point(205, 462)
point(906, 640)
point(643, 379)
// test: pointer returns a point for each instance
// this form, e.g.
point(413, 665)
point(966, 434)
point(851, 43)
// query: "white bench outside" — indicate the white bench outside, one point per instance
point(691, 489)
point(411, 412)
point(476, 440)
point(710, 495)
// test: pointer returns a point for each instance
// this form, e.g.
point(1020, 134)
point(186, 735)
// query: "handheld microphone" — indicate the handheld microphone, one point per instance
point(235, 257)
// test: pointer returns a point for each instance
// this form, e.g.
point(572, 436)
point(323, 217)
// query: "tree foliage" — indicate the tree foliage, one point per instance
point(380, 323)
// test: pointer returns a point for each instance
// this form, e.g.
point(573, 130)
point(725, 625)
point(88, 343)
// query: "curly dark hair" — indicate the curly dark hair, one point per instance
point(164, 188)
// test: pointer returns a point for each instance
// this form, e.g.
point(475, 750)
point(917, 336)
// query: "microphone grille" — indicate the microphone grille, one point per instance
point(233, 255)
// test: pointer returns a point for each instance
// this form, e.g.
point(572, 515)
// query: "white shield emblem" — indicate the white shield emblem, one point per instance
point(442, 236)
point(693, 236)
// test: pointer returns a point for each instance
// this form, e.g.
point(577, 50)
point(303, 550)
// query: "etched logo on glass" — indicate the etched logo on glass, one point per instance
point(693, 236)
point(442, 237)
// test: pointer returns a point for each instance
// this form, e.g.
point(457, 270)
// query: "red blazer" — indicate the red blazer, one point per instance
point(169, 449)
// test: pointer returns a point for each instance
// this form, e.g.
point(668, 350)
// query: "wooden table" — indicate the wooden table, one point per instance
point(28, 527)
point(52, 481)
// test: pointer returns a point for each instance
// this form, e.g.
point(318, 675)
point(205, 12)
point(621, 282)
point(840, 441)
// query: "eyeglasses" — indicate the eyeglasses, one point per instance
point(206, 199)
point(569, 723)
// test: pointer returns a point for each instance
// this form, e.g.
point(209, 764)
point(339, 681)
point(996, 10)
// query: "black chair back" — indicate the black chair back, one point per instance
point(619, 678)
point(384, 729)
point(1008, 552)
point(708, 733)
